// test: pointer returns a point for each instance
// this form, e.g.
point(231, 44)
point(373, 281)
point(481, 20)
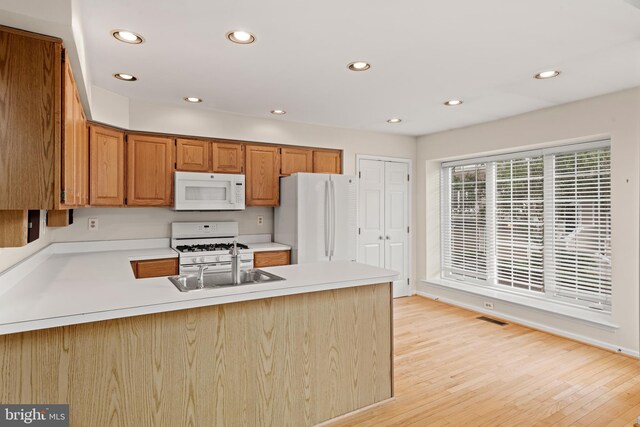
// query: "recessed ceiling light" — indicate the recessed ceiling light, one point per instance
point(394, 120)
point(359, 66)
point(241, 37)
point(278, 112)
point(125, 77)
point(192, 99)
point(547, 74)
point(127, 36)
point(453, 102)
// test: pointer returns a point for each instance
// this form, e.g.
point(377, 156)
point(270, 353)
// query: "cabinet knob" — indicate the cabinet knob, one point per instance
point(388, 237)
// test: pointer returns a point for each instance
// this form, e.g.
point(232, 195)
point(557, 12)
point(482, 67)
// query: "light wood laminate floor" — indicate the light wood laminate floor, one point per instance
point(453, 369)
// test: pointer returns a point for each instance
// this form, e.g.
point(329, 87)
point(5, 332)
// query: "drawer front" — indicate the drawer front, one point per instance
point(271, 259)
point(155, 268)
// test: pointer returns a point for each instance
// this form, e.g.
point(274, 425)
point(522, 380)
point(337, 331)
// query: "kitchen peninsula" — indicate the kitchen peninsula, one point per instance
point(77, 327)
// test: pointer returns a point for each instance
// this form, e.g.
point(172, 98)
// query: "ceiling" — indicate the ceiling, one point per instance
point(423, 52)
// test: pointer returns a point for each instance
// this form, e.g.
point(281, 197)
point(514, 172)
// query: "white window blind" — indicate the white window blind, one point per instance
point(537, 221)
point(581, 264)
point(464, 249)
point(519, 223)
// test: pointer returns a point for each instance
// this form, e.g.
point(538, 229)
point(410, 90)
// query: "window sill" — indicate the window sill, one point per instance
point(542, 304)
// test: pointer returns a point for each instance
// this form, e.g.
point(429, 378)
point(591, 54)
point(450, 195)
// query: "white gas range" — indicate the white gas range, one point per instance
point(208, 244)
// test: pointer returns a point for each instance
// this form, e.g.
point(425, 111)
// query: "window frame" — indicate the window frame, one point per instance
point(550, 291)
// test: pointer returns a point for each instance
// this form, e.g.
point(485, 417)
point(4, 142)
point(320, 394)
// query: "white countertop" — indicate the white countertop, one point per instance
point(268, 247)
point(62, 285)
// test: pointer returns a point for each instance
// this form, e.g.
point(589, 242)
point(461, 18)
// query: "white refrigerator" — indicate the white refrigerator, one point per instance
point(317, 217)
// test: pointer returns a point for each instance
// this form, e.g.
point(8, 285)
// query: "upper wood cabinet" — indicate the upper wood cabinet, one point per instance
point(106, 149)
point(30, 112)
point(327, 161)
point(295, 160)
point(75, 161)
point(149, 170)
point(193, 155)
point(227, 157)
point(262, 170)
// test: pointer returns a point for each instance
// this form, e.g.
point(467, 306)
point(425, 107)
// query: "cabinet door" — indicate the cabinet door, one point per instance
point(149, 170)
point(106, 158)
point(263, 167)
point(327, 161)
point(296, 160)
point(227, 157)
point(69, 149)
point(82, 153)
point(30, 120)
point(271, 258)
point(192, 155)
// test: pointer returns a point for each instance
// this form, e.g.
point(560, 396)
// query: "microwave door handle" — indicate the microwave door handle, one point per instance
point(232, 193)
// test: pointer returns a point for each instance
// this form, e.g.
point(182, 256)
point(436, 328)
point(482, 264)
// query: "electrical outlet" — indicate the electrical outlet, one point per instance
point(260, 220)
point(488, 305)
point(92, 224)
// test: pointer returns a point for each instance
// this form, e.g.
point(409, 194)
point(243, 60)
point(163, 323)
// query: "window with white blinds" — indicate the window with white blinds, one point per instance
point(537, 222)
point(581, 227)
point(465, 250)
point(519, 223)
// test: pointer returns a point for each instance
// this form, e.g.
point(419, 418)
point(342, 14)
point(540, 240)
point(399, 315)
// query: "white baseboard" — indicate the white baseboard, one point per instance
point(533, 325)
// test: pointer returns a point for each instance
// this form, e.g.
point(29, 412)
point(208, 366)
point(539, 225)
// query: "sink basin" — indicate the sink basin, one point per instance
point(187, 283)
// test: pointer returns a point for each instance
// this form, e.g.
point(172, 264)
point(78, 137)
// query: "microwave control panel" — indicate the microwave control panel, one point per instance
point(239, 192)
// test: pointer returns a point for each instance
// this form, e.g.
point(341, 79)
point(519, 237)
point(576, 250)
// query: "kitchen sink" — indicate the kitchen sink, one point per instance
point(189, 282)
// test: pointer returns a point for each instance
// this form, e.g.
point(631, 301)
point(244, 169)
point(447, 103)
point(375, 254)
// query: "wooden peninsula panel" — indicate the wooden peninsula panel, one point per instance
point(292, 360)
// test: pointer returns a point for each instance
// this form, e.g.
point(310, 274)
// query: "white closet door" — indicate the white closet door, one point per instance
point(371, 213)
point(396, 221)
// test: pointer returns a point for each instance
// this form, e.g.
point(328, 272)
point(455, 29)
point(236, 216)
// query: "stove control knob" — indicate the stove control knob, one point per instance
point(201, 259)
point(194, 260)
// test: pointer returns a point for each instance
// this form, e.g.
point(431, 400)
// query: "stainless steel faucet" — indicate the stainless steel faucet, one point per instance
point(201, 275)
point(235, 264)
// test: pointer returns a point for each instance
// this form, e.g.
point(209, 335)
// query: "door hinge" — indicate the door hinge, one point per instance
point(407, 229)
point(359, 174)
point(359, 230)
point(407, 281)
point(62, 196)
point(408, 177)
point(126, 201)
point(175, 165)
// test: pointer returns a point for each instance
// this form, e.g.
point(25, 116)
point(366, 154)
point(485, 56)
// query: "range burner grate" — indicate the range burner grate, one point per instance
point(211, 247)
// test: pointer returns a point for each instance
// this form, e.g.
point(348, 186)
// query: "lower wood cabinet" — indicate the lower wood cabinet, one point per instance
point(149, 170)
point(295, 160)
point(155, 268)
point(262, 175)
point(106, 160)
point(327, 161)
point(271, 258)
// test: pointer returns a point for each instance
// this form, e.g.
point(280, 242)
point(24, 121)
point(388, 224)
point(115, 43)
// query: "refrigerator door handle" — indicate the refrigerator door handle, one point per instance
point(333, 218)
point(326, 218)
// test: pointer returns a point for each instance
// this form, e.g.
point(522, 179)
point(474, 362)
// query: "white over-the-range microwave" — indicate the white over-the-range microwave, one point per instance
point(196, 191)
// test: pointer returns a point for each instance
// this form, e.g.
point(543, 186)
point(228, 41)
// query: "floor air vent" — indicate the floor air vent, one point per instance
point(490, 320)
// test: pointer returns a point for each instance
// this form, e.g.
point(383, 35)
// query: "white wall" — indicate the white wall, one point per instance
point(616, 115)
point(143, 223)
point(109, 107)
